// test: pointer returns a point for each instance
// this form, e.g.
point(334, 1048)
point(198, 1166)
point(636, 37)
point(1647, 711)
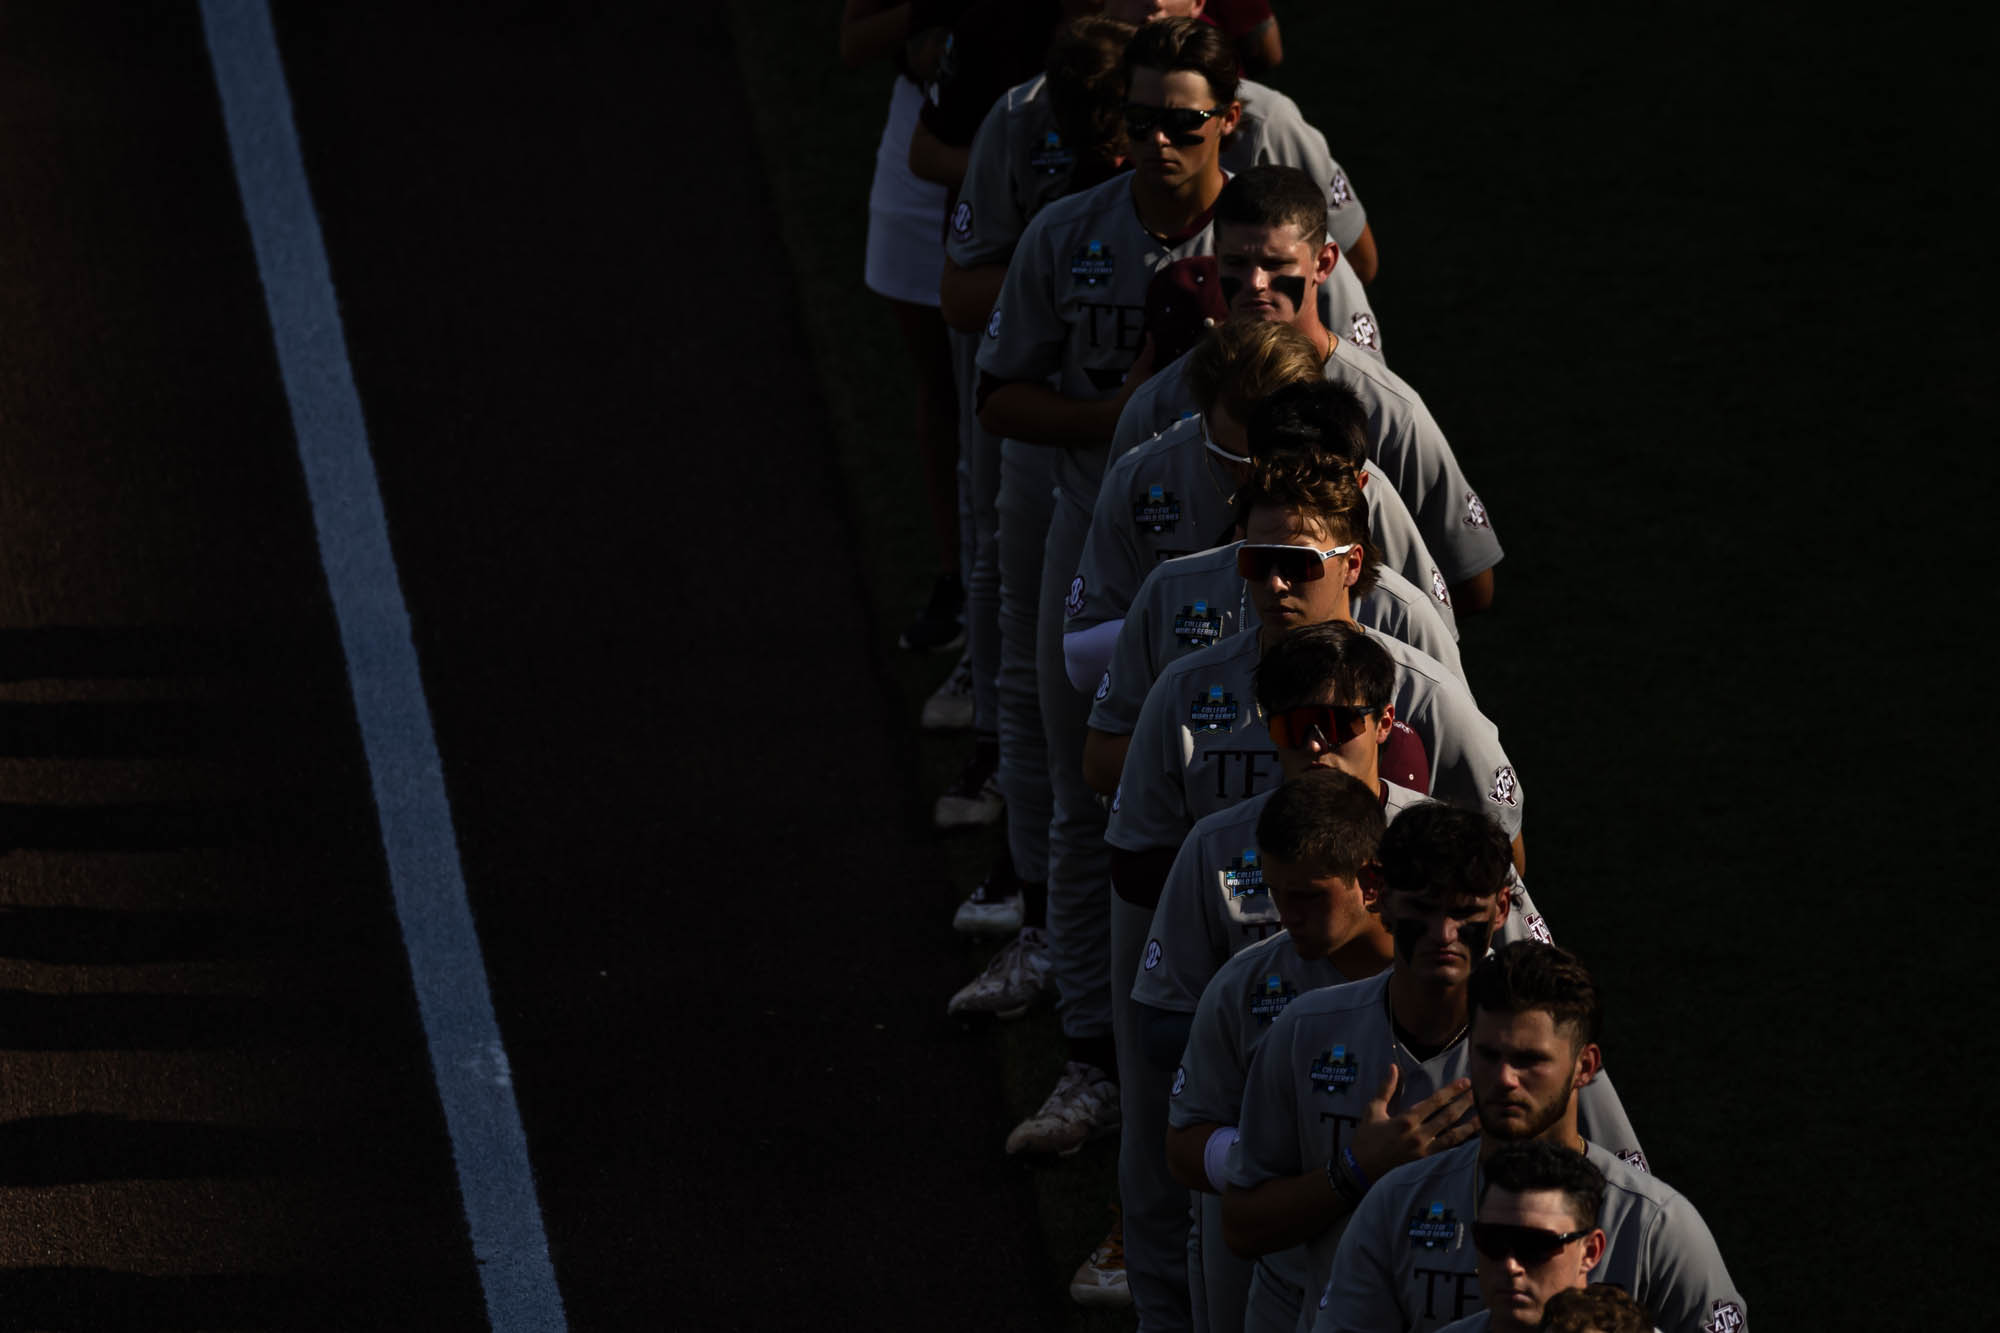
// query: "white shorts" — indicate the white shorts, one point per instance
point(905, 214)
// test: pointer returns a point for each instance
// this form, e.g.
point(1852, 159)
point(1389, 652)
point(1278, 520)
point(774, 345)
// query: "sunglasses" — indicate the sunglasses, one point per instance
point(1181, 124)
point(1530, 1245)
point(1295, 564)
point(1336, 724)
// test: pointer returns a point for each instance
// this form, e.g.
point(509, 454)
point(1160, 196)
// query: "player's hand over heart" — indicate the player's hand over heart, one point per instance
point(1442, 1120)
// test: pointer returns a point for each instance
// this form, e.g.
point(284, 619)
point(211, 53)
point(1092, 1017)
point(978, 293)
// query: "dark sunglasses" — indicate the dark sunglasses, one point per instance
point(1295, 564)
point(1336, 724)
point(1181, 124)
point(1530, 1245)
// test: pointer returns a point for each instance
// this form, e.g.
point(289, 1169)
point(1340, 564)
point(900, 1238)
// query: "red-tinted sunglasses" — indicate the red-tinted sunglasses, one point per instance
point(1295, 564)
point(1336, 724)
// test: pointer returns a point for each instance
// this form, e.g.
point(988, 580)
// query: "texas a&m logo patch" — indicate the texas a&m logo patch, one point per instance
point(1214, 711)
point(1339, 193)
point(1334, 1070)
point(1505, 789)
point(1635, 1159)
point(1723, 1317)
point(1475, 512)
point(1362, 330)
point(1438, 588)
point(961, 220)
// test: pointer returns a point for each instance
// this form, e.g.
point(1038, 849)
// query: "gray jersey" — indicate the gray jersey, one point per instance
point(1406, 441)
point(1274, 130)
point(1016, 167)
point(1199, 746)
point(1310, 1083)
point(1196, 600)
point(1214, 904)
point(1407, 1260)
point(1239, 1005)
point(1178, 492)
point(1072, 310)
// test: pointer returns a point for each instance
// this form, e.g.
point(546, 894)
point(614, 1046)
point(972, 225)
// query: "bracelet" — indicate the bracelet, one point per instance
point(1360, 1177)
point(1343, 1184)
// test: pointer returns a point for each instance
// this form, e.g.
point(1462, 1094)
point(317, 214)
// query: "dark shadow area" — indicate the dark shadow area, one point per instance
point(138, 826)
point(107, 1301)
point(96, 729)
point(100, 652)
point(76, 1149)
point(90, 935)
point(151, 1022)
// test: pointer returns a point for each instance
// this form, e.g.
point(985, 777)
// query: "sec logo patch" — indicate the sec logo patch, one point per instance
point(1073, 604)
point(1103, 687)
point(961, 220)
point(993, 323)
point(1152, 959)
point(1180, 1082)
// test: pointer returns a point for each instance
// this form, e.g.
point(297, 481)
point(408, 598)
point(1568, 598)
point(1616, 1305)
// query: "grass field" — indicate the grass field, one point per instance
point(1641, 275)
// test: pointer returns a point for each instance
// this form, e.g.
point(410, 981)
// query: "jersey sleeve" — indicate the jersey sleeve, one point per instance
point(1112, 564)
point(1467, 763)
point(1394, 530)
point(1174, 976)
point(1449, 513)
point(1151, 809)
point(1686, 1285)
point(1601, 1118)
point(1210, 1080)
point(987, 221)
point(1360, 1296)
point(1135, 419)
point(1269, 1148)
point(1120, 700)
point(1405, 614)
point(1025, 337)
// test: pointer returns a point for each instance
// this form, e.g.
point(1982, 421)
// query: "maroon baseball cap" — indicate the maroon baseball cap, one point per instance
point(1405, 761)
point(1182, 302)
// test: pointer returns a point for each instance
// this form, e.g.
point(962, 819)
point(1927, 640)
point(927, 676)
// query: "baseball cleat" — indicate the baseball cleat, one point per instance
point(940, 626)
point(990, 909)
point(1100, 1279)
point(949, 707)
point(1083, 1107)
point(1011, 983)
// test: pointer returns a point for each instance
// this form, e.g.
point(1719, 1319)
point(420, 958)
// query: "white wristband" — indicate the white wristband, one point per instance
point(1214, 1151)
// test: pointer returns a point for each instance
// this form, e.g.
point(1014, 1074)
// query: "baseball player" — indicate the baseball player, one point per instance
point(1174, 494)
point(1301, 558)
point(1356, 1079)
point(1535, 1234)
point(1405, 1261)
point(1272, 264)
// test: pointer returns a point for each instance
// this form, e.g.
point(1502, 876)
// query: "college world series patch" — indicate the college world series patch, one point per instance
point(1434, 1228)
point(1243, 876)
point(1334, 1070)
point(1269, 1000)
point(1158, 510)
point(1196, 626)
point(1092, 264)
point(1051, 158)
point(1215, 710)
